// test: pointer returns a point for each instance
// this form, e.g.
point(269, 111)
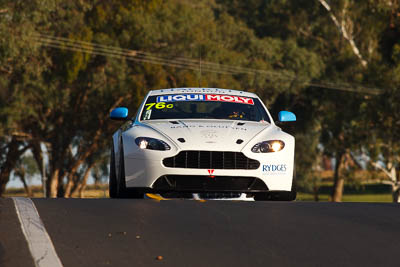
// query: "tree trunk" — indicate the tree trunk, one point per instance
point(344, 31)
point(315, 193)
point(4, 178)
point(338, 182)
point(396, 193)
point(68, 188)
point(53, 188)
point(28, 190)
point(82, 185)
point(12, 157)
point(338, 190)
point(78, 162)
point(60, 189)
point(395, 185)
point(71, 181)
point(38, 156)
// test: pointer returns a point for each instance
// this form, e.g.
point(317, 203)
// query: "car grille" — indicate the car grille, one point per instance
point(203, 183)
point(211, 160)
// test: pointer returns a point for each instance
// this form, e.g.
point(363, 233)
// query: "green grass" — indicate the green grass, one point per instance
point(386, 197)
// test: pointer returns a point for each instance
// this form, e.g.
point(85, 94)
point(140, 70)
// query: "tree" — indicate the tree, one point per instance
point(80, 83)
point(19, 61)
point(382, 122)
point(25, 169)
point(347, 35)
point(67, 64)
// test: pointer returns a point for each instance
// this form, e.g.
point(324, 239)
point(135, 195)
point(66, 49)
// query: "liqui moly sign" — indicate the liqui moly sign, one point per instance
point(205, 97)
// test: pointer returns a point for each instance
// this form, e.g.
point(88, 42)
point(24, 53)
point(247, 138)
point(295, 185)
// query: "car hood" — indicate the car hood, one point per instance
point(218, 135)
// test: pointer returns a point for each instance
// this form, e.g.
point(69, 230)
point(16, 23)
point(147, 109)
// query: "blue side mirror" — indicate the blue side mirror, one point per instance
point(285, 116)
point(119, 114)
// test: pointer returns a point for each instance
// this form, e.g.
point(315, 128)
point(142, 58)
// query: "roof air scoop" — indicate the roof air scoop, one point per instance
point(182, 140)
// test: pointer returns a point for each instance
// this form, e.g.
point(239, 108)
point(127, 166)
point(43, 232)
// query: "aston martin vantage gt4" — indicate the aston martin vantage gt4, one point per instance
point(202, 141)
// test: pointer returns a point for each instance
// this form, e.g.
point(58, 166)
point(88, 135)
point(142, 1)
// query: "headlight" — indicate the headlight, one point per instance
point(268, 146)
point(151, 143)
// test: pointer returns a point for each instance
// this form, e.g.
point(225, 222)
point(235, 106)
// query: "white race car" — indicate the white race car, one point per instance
point(204, 141)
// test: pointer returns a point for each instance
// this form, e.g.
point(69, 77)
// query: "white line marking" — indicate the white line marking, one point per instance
point(38, 239)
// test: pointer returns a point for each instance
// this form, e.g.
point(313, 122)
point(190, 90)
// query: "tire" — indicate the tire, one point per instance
point(121, 186)
point(293, 191)
point(112, 183)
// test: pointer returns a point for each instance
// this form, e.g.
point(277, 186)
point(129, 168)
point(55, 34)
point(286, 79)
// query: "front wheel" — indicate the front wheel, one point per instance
point(121, 187)
point(112, 184)
point(116, 185)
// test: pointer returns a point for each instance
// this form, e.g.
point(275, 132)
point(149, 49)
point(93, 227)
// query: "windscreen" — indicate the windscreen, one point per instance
point(203, 106)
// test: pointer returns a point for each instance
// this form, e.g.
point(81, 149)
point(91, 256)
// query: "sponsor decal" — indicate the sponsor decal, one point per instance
point(274, 169)
point(209, 127)
point(210, 173)
point(147, 115)
point(209, 134)
point(205, 97)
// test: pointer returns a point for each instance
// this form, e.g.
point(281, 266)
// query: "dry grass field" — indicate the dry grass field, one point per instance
point(92, 191)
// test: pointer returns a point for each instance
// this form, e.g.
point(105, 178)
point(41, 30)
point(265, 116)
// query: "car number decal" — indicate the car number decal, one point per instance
point(160, 105)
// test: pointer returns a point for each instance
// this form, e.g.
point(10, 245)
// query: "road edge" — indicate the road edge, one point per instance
point(39, 242)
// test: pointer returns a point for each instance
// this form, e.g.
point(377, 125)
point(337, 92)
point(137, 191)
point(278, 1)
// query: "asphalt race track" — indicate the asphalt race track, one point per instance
point(129, 232)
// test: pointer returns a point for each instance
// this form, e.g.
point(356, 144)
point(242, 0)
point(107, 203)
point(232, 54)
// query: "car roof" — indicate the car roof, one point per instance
point(194, 90)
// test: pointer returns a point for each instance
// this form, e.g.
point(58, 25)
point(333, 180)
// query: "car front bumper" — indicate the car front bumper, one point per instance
point(275, 173)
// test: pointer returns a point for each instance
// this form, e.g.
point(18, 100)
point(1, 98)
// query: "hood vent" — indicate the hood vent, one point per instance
point(174, 122)
point(239, 141)
point(240, 123)
point(182, 140)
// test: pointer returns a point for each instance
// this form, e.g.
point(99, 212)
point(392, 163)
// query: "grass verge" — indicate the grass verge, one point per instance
point(101, 191)
point(387, 197)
